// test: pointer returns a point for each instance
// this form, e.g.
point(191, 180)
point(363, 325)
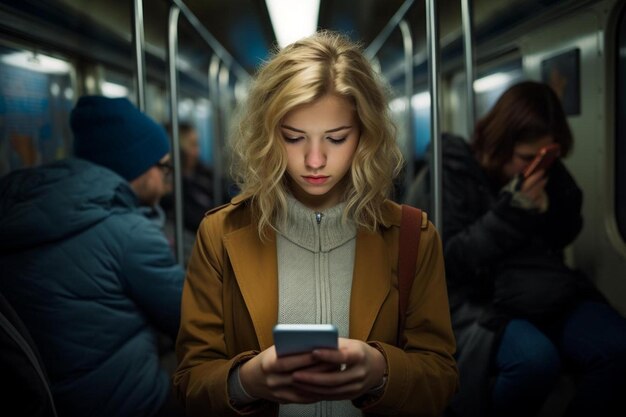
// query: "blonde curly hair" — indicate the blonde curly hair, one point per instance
point(325, 63)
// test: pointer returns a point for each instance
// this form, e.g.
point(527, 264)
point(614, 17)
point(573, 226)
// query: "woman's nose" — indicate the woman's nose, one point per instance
point(315, 157)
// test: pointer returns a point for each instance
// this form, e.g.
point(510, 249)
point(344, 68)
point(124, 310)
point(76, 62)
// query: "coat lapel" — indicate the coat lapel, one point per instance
point(370, 284)
point(256, 272)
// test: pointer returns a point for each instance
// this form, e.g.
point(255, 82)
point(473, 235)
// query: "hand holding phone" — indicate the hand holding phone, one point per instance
point(544, 159)
point(291, 339)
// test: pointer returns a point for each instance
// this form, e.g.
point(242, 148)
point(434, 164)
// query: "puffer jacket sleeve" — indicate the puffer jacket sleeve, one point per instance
point(152, 276)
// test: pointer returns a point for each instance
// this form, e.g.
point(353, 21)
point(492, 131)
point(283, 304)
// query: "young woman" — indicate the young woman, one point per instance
point(312, 238)
point(519, 313)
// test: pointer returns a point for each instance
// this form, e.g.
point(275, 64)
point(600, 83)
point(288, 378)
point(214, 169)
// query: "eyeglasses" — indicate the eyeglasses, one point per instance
point(165, 167)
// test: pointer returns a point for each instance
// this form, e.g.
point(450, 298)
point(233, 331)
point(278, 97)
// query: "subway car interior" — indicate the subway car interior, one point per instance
point(191, 61)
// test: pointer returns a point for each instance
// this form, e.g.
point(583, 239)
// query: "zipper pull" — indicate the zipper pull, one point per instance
point(318, 217)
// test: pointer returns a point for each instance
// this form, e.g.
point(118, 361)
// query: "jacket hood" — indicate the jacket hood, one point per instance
point(47, 203)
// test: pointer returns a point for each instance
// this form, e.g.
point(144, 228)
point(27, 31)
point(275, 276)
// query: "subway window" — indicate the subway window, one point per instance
point(420, 111)
point(489, 84)
point(37, 92)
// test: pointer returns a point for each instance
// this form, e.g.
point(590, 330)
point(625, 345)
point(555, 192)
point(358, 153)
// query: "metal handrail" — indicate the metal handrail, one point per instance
point(221, 52)
point(225, 107)
point(470, 76)
point(172, 57)
point(214, 97)
point(407, 41)
point(378, 42)
point(432, 35)
point(139, 45)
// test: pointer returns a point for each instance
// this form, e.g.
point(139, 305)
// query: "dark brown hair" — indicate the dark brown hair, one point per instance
point(184, 128)
point(524, 113)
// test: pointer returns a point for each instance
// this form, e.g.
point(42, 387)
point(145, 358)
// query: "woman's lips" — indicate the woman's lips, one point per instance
point(316, 180)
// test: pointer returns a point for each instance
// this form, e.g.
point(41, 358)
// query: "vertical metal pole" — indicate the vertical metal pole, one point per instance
point(470, 76)
point(172, 56)
point(224, 96)
point(432, 34)
point(407, 42)
point(138, 43)
point(214, 95)
point(225, 105)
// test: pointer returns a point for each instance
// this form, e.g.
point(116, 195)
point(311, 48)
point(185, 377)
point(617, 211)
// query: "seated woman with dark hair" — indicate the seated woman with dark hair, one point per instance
point(519, 313)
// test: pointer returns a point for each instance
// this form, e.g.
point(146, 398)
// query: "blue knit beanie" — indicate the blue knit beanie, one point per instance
point(113, 133)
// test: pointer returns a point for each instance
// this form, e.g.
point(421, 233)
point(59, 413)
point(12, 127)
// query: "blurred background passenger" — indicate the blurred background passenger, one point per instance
point(520, 314)
point(197, 188)
point(90, 275)
point(197, 179)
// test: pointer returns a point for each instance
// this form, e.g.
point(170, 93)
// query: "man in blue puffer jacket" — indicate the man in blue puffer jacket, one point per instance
point(94, 280)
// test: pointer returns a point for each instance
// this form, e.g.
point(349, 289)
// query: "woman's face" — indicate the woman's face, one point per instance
point(523, 155)
point(191, 149)
point(321, 139)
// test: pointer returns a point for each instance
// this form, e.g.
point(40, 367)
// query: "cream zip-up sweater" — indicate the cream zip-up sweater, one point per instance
point(315, 253)
point(315, 265)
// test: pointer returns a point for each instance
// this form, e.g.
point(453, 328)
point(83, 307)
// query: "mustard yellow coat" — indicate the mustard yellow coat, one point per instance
point(230, 304)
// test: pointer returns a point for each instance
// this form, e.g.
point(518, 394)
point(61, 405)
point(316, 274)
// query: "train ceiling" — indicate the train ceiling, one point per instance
point(244, 29)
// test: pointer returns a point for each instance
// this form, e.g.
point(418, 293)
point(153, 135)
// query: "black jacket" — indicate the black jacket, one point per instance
point(480, 230)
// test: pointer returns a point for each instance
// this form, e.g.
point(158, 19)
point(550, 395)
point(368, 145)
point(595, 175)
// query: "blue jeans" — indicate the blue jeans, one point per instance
point(590, 341)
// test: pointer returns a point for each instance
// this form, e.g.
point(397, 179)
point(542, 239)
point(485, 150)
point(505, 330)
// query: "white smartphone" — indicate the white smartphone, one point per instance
point(290, 339)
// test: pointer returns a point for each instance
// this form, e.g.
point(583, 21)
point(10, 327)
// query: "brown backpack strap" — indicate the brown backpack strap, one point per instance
point(410, 228)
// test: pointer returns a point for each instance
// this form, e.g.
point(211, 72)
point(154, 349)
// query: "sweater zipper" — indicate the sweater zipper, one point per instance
point(324, 286)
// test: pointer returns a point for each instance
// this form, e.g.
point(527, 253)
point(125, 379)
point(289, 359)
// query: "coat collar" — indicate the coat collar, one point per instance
point(255, 266)
point(256, 271)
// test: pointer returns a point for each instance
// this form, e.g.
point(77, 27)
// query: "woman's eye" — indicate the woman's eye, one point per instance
point(337, 140)
point(291, 139)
